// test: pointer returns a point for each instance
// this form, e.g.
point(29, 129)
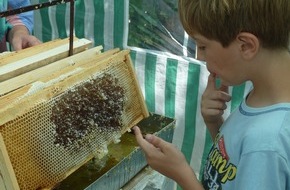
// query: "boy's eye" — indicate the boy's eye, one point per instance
point(202, 48)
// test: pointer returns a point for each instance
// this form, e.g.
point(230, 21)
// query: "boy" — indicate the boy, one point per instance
point(240, 40)
point(16, 29)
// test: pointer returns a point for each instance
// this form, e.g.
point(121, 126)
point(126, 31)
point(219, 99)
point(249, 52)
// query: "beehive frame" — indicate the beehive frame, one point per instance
point(37, 162)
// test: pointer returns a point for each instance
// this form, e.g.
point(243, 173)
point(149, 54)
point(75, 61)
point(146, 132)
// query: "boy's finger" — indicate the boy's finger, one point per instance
point(140, 140)
point(211, 82)
point(156, 141)
point(226, 96)
point(224, 88)
point(138, 134)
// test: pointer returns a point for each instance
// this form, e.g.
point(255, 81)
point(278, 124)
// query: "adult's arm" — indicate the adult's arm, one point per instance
point(19, 35)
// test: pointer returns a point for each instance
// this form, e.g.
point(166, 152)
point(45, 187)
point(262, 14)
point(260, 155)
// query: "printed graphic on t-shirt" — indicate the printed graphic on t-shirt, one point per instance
point(218, 169)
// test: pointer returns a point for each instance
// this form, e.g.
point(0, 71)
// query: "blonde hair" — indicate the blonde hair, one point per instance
point(223, 20)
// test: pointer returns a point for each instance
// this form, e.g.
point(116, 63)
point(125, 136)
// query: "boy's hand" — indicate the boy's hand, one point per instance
point(165, 158)
point(213, 104)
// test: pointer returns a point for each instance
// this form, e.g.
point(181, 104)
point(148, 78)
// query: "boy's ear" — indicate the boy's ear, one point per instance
point(249, 44)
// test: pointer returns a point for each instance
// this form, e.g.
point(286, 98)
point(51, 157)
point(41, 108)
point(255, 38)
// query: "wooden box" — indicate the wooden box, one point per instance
point(61, 114)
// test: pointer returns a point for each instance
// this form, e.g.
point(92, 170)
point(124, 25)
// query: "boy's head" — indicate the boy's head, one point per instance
point(222, 20)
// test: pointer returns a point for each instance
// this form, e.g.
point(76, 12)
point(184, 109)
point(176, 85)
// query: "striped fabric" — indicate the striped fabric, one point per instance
point(172, 85)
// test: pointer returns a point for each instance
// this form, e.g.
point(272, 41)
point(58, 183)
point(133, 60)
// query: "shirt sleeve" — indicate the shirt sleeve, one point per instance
point(265, 170)
point(25, 19)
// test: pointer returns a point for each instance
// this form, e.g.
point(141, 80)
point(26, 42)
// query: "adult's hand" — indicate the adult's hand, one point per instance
point(20, 38)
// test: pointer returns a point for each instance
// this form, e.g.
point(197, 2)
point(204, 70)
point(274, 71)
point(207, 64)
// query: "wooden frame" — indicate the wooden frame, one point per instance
point(73, 69)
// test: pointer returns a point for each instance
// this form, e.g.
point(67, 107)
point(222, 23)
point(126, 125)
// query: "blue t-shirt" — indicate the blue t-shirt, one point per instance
point(251, 151)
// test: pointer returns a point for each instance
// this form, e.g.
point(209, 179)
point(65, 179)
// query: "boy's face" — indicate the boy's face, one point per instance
point(225, 63)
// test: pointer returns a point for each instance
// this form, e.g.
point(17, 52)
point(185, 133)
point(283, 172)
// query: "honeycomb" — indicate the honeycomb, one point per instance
point(94, 106)
point(51, 133)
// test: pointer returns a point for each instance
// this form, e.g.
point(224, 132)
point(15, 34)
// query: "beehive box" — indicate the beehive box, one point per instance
point(52, 125)
point(125, 162)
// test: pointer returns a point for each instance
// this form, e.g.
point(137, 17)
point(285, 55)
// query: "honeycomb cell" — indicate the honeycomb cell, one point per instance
point(95, 105)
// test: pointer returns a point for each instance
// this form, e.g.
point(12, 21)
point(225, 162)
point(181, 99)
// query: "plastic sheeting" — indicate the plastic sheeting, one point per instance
point(155, 25)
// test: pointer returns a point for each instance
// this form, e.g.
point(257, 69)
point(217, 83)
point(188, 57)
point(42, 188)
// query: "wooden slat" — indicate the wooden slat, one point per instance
point(7, 174)
point(139, 93)
point(9, 57)
point(48, 72)
point(35, 61)
point(90, 61)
